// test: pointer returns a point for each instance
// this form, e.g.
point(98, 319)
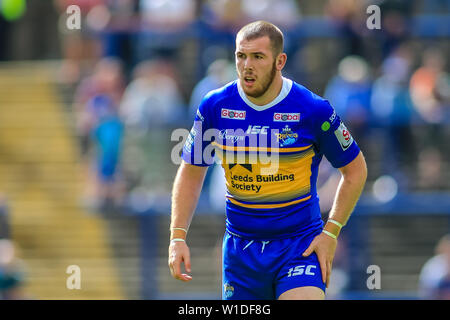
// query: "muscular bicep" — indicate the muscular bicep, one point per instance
point(357, 168)
point(185, 193)
point(192, 172)
point(189, 179)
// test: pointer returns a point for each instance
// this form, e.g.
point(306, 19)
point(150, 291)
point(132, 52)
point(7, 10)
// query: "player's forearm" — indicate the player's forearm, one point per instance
point(349, 190)
point(185, 193)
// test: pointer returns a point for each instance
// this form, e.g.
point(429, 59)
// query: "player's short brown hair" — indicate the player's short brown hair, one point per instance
point(260, 29)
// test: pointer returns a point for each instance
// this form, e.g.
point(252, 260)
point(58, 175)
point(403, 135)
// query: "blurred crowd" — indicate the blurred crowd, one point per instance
point(434, 279)
point(141, 66)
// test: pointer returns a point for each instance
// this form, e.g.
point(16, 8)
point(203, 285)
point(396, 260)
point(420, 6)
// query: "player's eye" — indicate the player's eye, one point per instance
point(240, 55)
point(259, 57)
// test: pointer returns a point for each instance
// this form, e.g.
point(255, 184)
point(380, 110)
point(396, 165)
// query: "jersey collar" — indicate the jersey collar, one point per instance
point(285, 89)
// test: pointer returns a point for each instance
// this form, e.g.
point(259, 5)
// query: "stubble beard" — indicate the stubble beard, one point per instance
point(266, 83)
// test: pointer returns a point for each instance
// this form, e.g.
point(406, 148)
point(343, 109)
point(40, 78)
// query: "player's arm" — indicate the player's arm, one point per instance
point(352, 182)
point(185, 193)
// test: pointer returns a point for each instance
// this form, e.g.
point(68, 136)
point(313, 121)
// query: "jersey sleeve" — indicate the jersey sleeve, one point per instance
point(334, 139)
point(198, 149)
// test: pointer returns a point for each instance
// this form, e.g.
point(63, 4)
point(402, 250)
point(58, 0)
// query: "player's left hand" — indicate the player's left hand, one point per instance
point(325, 247)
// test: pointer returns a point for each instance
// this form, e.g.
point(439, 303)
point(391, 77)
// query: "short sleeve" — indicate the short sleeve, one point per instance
point(198, 149)
point(334, 139)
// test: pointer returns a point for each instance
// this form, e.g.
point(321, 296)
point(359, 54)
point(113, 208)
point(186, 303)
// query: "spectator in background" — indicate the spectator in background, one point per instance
point(78, 46)
point(167, 14)
point(431, 169)
point(430, 87)
point(219, 73)
point(106, 79)
point(430, 93)
point(152, 102)
point(284, 13)
point(395, 23)
point(107, 82)
point(223, 15)
point(221, 19)
point(443, 288)
point(349, 18)
point(434, 280)
point(164, 25)
point(12, 272)
point(107, 133)
point(115, 22)
point(349, 92)
point(153, 98)
point(217, 21)
point(392, 111)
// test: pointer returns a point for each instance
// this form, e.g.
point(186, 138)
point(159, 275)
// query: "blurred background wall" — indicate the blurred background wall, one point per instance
point(86, 118)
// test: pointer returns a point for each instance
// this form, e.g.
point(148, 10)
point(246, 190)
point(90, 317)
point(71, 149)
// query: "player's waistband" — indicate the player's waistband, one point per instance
point(313, 229)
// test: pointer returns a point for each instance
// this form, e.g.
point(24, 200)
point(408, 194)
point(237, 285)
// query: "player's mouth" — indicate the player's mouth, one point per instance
point(249, 81)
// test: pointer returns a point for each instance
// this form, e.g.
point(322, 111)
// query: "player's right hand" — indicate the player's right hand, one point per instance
point(178, 253)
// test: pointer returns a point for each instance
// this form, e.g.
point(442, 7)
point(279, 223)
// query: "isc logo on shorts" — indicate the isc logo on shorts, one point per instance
point(286, 117)
point(300, 270)
point(232, 114)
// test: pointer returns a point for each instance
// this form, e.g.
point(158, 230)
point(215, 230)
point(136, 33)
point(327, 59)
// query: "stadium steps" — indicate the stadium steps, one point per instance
point(42, 179)
point(400, 246)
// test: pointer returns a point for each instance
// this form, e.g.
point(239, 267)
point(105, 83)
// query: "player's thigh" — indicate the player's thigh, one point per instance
point(242, 277)
point(303, 293)
point(298, 272)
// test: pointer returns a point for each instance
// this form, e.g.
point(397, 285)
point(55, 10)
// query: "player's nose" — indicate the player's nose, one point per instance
point(248, 66)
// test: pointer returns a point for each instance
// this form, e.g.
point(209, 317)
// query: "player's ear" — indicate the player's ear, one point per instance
point(280, 61)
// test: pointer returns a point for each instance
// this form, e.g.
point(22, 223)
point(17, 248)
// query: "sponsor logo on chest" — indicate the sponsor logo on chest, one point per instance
point(233, 114)
point(286, 117)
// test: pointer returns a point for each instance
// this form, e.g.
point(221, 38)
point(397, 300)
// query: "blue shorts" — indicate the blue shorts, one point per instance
point(263, 270)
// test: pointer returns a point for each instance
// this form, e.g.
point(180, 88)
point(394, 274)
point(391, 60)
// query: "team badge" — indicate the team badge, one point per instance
point(287, 137)
point(229, 290)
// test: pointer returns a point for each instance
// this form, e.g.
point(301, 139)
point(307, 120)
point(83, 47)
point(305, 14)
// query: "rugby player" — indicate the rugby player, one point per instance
point(276, 245)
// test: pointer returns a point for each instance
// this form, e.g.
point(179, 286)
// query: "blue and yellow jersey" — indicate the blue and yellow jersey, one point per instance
point(270, 155)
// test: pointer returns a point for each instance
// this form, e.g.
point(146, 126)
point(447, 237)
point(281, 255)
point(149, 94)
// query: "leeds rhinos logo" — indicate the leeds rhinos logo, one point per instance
point(287, 137)
point(228, 290)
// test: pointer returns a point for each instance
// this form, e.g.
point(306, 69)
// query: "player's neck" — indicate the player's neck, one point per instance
point(272, 92)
